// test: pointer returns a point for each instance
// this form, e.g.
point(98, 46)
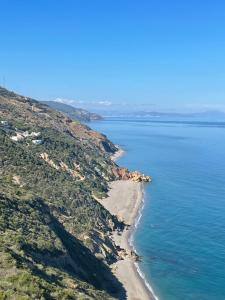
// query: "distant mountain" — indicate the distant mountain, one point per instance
point(73, 112)
point(168, 115)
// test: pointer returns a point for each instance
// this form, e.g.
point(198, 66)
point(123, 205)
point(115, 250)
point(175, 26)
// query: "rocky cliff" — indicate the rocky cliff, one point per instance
point(125, 174)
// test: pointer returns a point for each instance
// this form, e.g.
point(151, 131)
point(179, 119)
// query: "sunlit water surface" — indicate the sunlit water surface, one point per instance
point(181, 234)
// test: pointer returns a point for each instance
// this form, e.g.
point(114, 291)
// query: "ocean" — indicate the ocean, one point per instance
point(181, 233)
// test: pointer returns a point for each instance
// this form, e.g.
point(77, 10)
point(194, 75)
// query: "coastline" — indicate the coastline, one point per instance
point(125, 200)
point(117, 154)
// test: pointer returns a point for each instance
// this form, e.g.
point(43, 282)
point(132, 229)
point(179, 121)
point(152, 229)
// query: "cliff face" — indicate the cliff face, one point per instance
point(125, 174)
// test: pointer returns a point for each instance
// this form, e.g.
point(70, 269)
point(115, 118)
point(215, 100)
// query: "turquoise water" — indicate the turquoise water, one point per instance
point(181, 234)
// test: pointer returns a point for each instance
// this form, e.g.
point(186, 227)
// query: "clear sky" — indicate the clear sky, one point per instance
point(156, 54)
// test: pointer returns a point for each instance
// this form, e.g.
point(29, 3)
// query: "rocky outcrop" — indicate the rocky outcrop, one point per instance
point(63, 167)
point(51, 163)
point(17, 180)
point(125, 174)
point(138, 177)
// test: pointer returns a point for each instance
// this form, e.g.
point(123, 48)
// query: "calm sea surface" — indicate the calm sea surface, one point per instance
point(181, 234)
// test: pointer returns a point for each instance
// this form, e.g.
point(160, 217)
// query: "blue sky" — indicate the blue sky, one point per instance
point(116, 53)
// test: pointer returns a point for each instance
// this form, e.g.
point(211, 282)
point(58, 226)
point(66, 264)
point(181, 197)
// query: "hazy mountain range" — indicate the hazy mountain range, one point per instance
point(128, 110)
point(215, 115)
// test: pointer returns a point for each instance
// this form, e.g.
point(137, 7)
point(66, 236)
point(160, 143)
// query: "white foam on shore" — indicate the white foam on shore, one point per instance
point(117, 155)
point(145, 281)
point(131, 243)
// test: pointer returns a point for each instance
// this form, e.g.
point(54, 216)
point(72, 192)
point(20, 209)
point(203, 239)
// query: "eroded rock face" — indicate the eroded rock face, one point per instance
point(63, 167)
point(125, 174)
point(138, 177)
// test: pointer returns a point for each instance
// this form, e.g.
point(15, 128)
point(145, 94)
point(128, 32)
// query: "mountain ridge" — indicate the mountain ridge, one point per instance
point(73, 112)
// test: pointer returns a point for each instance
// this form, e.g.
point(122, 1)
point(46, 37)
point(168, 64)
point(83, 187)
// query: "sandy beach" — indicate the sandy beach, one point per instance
point(125, 200)
point(117, 154)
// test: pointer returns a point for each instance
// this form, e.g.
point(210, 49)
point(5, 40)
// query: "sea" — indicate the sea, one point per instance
point(180, 235)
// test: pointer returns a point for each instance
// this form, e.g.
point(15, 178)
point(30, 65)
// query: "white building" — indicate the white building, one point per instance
point(17, 137)
point(32, 134)
point(4, 123)
point(35, 134)
point(37, 142)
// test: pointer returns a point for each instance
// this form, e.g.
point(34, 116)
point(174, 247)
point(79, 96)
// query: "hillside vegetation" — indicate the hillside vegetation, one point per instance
point(55, 237)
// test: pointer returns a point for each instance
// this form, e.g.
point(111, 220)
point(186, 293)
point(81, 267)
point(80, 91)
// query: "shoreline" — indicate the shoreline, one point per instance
point(125, 200)
point(120, 152)
point(140, 273)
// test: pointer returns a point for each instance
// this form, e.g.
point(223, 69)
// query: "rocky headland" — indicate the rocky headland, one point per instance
point(125, 174)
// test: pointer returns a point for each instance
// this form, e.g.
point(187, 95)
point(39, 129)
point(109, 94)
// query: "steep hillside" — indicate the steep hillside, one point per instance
point(55, 237)
point(72, 112)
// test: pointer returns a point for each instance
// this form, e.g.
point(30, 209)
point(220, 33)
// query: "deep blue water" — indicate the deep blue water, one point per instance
point(181, 235)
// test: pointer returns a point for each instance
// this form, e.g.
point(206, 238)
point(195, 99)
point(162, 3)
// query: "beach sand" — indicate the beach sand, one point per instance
point(117, 154)
point(124, 201)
